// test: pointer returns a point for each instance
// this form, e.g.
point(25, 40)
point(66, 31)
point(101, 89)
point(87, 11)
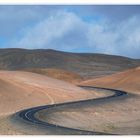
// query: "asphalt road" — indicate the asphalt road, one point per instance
point(28, 115)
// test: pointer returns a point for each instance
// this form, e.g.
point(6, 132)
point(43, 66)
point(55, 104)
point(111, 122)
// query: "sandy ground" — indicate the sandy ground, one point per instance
point(20, 90)
point(60, 74)
point(128, 80)
point(117, 117)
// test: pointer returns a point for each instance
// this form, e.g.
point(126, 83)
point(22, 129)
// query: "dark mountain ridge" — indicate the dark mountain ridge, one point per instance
point(85, 64)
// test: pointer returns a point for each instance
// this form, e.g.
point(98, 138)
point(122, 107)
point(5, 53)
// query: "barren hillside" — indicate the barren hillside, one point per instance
point(84, 64)
point(127, 80)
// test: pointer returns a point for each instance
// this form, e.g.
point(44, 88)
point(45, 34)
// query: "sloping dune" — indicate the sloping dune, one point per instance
point(19, 90)
point(128, 80)
point(60, 74)
point(121, 116)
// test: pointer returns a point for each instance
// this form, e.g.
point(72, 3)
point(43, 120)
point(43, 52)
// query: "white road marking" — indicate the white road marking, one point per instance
point(26, 114)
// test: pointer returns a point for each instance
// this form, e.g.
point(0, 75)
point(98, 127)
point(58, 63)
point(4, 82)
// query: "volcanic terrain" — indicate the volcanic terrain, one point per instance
point(116, 117)
point(30, 78)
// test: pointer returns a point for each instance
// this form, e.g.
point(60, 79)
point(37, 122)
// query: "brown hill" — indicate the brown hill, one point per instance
point(127, 80)
point(58, 74)
point(119, 116)
point(20, 90)
point(85, 64)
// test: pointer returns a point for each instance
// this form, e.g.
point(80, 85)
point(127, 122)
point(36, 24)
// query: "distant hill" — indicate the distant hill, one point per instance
point(126, 80)
point(84, 64)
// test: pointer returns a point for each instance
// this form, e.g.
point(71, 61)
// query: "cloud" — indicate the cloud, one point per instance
point(101, 29)
point(15, 17)
point(121, 39)
point(69, 32)
point(63, 30)
point(115, 12)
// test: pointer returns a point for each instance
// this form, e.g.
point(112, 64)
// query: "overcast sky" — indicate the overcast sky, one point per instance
point(97, 29)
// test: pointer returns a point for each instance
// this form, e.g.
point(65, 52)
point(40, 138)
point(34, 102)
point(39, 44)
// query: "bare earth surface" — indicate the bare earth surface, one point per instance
point(20, 90)
point(58, 74)
point(117, 117)
point(128, 80)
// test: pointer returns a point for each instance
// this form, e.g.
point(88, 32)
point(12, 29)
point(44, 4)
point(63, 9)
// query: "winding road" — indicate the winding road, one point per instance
point(28, 115)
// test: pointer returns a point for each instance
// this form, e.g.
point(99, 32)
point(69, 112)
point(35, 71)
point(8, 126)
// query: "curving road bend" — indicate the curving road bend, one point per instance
point(28, 115)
